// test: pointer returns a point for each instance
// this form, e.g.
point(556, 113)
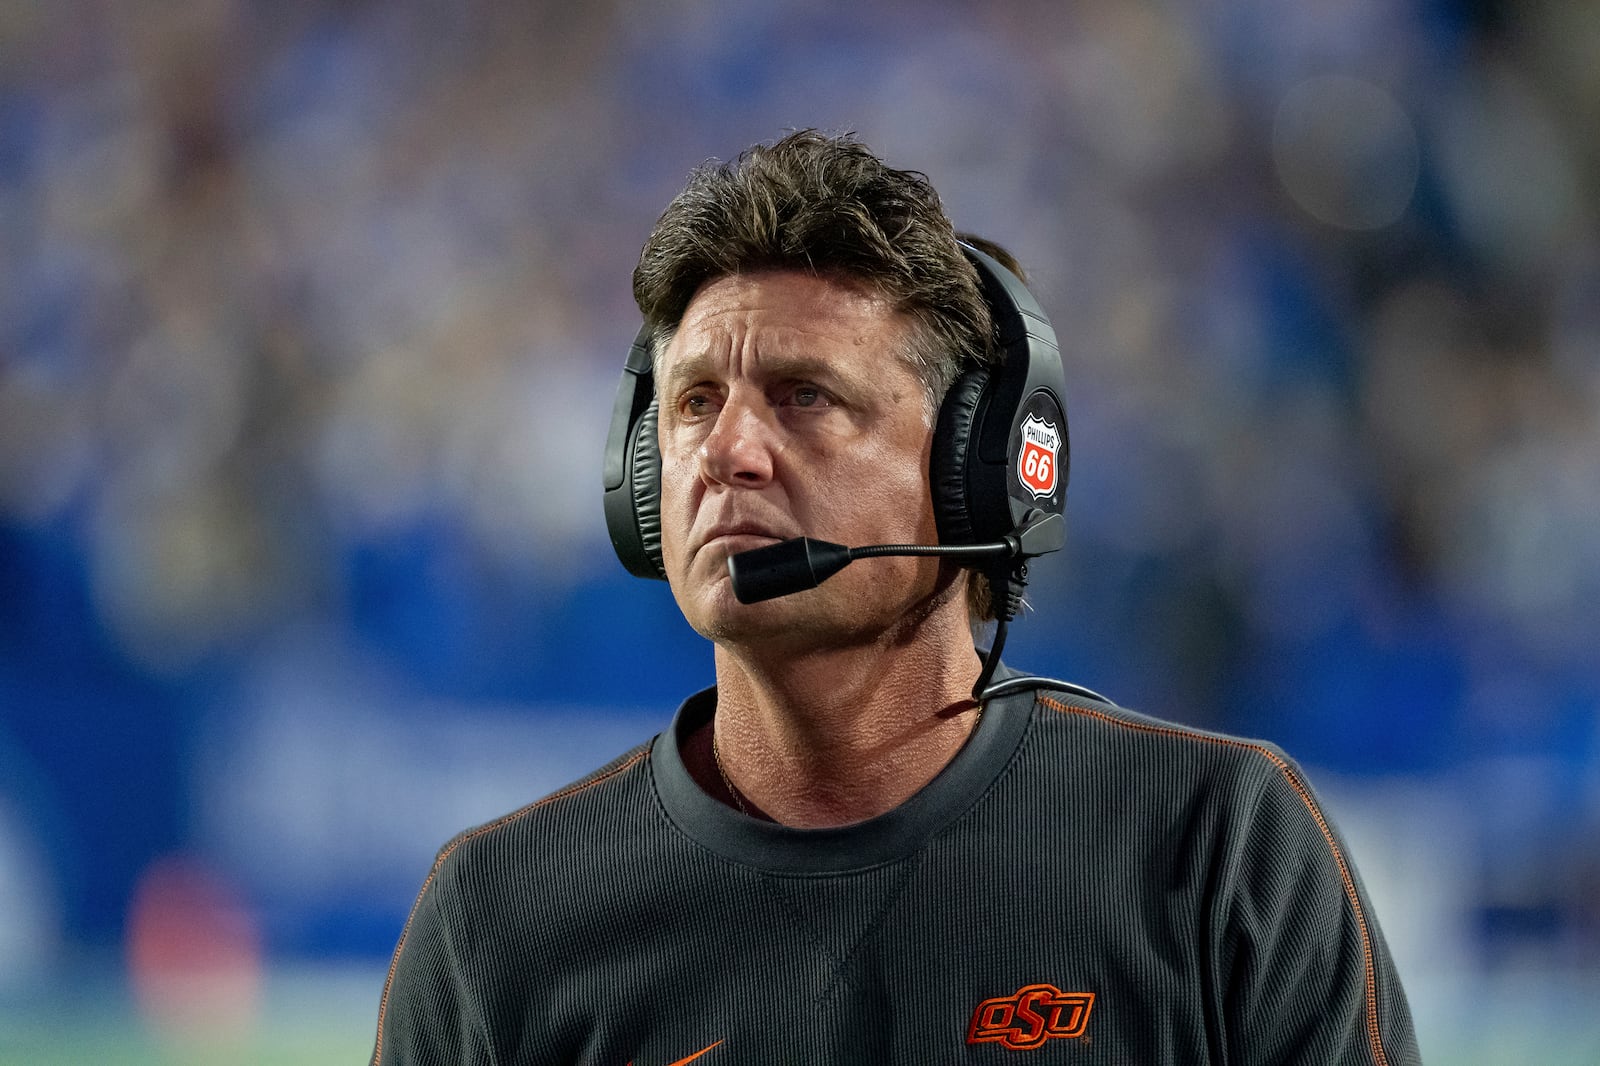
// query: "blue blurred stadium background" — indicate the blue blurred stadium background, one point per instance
point(310, 315)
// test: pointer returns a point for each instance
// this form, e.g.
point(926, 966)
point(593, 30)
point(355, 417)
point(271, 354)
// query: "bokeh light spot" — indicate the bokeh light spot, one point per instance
point(1346, 152)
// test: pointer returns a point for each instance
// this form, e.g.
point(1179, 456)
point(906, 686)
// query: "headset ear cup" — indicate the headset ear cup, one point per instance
point(950, 458)
point(644, 478)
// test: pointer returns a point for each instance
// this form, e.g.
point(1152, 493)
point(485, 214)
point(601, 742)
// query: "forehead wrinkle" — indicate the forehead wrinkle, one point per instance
point(771, 358)
point(754, 326)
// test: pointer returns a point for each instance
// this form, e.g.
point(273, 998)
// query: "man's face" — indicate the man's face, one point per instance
point(787, 409)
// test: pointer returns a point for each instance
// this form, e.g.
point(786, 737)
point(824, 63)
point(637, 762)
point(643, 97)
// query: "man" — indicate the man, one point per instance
point(839, 854)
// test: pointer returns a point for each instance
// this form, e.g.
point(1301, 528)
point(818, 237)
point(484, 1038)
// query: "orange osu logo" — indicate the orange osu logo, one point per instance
point(1030, 1016)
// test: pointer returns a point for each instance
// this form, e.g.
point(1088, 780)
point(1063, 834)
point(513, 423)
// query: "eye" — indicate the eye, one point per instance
point(803, 395)
point(697, 403)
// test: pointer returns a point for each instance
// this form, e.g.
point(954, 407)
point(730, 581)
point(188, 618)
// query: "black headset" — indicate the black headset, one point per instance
point(999, 458)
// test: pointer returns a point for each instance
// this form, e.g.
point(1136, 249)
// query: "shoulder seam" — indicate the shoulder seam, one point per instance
point(1374, 1033)
point(449, 849)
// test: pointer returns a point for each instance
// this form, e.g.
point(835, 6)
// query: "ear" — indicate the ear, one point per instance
point(632, 468)
point(948, 472)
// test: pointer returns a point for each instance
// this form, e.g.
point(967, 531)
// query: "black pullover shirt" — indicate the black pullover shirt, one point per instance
point(1081, 884)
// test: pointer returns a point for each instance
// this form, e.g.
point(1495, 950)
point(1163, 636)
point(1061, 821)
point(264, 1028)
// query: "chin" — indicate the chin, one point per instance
point(816, 619)
point(718, 616)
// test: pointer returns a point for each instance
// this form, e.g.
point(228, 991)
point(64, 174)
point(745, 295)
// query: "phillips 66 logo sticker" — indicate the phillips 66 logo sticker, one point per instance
point(1040, 456)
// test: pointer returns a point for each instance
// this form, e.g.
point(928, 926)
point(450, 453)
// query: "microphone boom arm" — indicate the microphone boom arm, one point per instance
point(804, 563)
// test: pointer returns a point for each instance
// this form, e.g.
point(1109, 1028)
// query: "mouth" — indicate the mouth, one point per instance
point(738, 538)
point(732, 536)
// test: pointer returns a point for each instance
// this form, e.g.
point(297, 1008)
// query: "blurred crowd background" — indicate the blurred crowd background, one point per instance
point(310, 318)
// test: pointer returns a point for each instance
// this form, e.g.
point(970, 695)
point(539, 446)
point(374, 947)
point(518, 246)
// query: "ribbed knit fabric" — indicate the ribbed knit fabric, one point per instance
point(1082, 884)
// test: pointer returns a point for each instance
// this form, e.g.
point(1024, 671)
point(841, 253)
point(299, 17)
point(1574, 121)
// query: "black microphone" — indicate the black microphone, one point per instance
point(802, 563)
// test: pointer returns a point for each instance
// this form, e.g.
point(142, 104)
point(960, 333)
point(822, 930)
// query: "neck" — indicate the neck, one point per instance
point(838, 736)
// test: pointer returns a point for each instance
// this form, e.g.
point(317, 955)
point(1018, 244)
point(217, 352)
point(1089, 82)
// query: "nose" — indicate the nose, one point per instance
point(738, 450)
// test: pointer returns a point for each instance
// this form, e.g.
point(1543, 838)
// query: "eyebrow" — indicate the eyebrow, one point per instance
point(780, 366)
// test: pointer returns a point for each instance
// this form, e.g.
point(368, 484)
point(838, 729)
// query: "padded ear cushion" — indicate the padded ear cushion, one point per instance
point(952, 454)
point(644, 478)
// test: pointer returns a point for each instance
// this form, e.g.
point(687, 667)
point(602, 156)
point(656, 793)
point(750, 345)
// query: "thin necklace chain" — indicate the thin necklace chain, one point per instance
point(738, 798)
point(716, 757)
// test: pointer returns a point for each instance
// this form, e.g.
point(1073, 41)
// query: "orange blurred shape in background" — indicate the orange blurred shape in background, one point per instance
point(194, 955)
